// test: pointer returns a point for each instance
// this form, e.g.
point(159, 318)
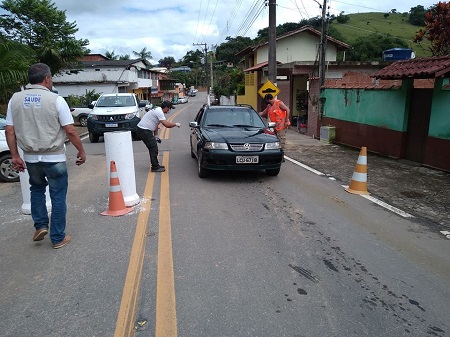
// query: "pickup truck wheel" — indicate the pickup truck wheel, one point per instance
point(83, 120)
point(7, 174)
point(93, 137)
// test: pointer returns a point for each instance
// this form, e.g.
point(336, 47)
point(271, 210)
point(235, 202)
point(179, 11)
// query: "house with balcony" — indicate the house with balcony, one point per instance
point(297, 54)
point(301, 45)
point(396, 109)
point(95, 72)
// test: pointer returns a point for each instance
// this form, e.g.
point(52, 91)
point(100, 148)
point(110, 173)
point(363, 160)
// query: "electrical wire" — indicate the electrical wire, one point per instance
point(198, 20)
point(250, 18)
point(212, 17)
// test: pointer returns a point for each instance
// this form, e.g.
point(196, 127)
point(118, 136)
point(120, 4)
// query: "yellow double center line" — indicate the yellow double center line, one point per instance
point(166, 318)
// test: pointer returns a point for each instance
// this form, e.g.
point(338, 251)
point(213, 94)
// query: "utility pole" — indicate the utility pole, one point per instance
point(323, 45)
point(206, 61)
point(272, 60)
point(212, 74)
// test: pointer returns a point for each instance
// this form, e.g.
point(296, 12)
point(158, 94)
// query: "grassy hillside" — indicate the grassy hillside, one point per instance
point(396, 25)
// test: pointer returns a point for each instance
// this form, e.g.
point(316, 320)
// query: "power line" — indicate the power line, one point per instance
point(212, 17)
point(198, 20)
point(232, 16)
point(250, 18)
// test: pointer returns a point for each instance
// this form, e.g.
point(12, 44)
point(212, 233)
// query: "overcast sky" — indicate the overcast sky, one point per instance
point(171, 27)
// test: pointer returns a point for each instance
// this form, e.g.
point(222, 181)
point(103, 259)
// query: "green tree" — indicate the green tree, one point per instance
point(227, 51)
point(125, 57)
point(143, 54)
point(370, 47)
point(15, 59)
point(341, 18)
point(111, 55)
point(83, 100)
point(43, 28)
point(227, 81)
point(168, 62)
point(437, 29)
point(193, 59)
point(316, 23)
point(417, 15)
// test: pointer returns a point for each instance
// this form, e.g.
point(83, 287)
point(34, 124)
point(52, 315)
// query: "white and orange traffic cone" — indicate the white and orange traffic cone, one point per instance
point(116, 203)
point(358, 184)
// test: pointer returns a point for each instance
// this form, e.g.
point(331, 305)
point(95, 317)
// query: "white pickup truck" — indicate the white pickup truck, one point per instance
point(80, 114)
point(114, 112)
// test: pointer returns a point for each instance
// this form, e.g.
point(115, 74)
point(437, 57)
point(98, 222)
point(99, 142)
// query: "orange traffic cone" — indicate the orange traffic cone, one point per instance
point(358, 184)
point(116, 202)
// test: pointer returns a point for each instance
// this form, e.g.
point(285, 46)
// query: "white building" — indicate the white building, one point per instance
point(108, 76)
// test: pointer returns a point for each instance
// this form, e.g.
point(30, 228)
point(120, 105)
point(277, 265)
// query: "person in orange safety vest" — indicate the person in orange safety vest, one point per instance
point(276, 111)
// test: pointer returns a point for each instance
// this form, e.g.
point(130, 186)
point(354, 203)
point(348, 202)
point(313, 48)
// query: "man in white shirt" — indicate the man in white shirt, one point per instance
point(147, 129)
point(38, 121)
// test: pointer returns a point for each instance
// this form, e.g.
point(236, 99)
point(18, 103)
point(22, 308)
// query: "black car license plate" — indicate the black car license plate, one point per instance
point(247, 159)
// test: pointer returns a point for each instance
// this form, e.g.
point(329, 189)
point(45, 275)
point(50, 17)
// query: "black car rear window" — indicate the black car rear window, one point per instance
point(232, 117)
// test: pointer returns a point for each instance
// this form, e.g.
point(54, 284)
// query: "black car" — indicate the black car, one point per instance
point(233, 137)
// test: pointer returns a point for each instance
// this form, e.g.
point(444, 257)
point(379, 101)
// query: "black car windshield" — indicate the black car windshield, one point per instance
point(115, 101)
point(233, 117)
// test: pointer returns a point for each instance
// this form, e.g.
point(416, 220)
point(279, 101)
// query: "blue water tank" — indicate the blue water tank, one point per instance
point(397, 54)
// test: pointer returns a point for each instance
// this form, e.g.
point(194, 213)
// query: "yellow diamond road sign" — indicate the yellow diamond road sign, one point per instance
point(268, 88)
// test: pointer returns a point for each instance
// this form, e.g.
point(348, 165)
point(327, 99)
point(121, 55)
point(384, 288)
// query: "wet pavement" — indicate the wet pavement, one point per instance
point(420, 191)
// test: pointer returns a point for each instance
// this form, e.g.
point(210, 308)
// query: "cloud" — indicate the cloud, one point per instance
point(170, 28)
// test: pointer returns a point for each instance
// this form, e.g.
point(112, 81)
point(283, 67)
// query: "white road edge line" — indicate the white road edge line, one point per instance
point(304, 166)
point(368, 197)
point(385, 205)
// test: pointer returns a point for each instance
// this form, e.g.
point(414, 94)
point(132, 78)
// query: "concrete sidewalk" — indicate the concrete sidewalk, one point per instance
point(420, 191)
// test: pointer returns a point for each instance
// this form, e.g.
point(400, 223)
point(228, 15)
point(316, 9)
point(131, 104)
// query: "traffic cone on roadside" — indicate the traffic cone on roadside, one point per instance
point(116, 203)
point(358, 184)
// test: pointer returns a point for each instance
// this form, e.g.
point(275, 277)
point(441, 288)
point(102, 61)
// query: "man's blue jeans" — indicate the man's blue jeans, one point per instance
point(55, 176)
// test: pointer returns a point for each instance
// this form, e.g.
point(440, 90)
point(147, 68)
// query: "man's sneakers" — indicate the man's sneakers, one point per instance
point(159, 168)
point(39, 234)
point(62, 243)
point(158, 139)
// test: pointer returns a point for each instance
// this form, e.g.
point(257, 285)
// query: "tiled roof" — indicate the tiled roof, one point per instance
point(429, 67)
point(341, 46)
point(259, 66)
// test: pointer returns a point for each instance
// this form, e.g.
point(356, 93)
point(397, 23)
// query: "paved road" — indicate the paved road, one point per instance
point(263, 256)
point(420, 191)
point(417, 190)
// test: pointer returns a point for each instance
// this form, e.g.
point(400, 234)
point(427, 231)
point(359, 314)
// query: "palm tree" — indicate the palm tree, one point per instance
point(143, 54)
point(110, 55)
point(15, 59)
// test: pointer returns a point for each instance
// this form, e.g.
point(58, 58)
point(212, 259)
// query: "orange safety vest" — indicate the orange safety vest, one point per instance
point(278, 116)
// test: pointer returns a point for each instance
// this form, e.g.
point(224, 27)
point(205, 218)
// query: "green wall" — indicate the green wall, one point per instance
point(381, 108)
point(440, 111)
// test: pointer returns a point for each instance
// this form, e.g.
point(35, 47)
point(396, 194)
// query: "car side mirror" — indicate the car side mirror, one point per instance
point(91, 106)
point(142, 104)
point(193, 124)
